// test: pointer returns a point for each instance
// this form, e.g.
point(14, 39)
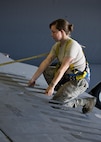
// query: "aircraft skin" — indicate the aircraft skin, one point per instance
point(27, 116)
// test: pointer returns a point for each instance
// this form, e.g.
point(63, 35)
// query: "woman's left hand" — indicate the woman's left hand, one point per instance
point(49, 91)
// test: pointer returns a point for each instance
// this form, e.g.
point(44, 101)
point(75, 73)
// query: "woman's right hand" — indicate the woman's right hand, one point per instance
point(31, 83)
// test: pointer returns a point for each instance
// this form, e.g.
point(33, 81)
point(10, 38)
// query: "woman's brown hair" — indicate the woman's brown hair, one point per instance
point(62, 24)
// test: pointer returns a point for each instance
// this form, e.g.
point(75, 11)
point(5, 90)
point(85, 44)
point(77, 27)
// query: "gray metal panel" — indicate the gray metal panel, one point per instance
point(27, 116)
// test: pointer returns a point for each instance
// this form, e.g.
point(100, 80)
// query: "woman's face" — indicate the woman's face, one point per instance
point(56, 34)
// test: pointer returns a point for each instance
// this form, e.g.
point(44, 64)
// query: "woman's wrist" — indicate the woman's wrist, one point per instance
point(33, 79)
point(52, 84)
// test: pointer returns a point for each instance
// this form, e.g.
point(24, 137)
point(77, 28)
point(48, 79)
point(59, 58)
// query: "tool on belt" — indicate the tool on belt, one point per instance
point(77, 75)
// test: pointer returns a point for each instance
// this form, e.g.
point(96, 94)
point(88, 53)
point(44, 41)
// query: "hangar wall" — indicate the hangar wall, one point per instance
point(24, 28)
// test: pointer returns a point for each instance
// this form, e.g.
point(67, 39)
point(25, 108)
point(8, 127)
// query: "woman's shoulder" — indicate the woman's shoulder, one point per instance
point(75, 43)
point(56, 45)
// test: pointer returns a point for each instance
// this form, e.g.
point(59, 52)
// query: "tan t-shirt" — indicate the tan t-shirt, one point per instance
point(73, 49)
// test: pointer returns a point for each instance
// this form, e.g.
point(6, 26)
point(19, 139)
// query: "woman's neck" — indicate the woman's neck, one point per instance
point(63, 41)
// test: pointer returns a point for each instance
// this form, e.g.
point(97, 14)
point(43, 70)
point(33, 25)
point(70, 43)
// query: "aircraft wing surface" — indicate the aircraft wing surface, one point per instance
point(27, 116)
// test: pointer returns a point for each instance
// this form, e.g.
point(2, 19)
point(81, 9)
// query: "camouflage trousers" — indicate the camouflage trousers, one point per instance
point(67, 90)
